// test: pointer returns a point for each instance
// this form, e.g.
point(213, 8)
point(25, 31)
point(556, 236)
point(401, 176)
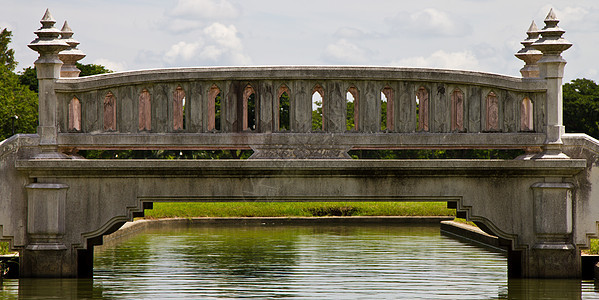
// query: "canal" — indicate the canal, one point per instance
point(297, 262)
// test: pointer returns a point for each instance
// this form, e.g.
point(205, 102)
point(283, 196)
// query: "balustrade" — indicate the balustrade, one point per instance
point(362, 107)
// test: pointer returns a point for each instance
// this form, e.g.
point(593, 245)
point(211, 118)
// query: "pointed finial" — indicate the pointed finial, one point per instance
point(533, 28)
point(70, 56)
point(551, 15)
point(529, 55)
point(47, 41)
point(66, 29)
point(551, 41)
point(48, 16)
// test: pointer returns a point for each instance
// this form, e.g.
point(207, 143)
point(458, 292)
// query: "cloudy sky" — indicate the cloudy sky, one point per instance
point(480, 35)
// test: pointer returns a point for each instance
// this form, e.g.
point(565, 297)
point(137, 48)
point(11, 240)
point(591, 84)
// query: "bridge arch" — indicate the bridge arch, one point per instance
point(249, 108)
point(318, 108)
point(214, 108)
point(283, 101)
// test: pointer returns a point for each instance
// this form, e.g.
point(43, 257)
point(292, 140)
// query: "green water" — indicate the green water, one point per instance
point(288, 262)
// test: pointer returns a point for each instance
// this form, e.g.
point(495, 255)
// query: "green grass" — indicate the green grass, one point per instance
point(594, 249)
point(296, 209)
point(4, 248)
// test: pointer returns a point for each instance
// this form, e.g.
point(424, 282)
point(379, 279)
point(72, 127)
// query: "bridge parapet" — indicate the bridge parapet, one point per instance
point(178, 108)
point(271, 109)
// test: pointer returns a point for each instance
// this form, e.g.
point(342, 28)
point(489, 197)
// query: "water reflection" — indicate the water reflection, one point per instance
point(351, 262)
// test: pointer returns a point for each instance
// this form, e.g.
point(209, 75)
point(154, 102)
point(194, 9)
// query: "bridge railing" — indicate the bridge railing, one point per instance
point(272, 107)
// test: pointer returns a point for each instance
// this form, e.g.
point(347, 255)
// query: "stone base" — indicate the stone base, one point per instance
point(554, 261)
point(46, 264)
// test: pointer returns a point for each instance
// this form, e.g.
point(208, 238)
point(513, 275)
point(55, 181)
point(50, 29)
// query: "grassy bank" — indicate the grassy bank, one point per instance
point(297, 209)
point(4, 248)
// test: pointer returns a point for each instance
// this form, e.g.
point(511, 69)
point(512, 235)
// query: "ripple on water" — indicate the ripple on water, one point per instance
point(339, 262)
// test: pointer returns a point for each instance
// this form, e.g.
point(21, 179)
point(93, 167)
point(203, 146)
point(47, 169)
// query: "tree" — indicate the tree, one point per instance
point(92, 69)
point(7, 55)
point(581, 107)
point(18, 105)
point(29, 76)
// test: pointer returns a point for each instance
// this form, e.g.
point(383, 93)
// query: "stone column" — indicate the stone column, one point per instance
point(553, 255)
point(48, 66)
point(46, 255)
point(551, 67)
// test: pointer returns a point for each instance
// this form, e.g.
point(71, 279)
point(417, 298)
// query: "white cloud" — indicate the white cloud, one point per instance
point(181, 51)
point(205, 9)
point(464, 60)
point(217, 44)
point(350, 33)
point(111, 65)
point(225, 36)
point(429, 22)
point(190, 15)
point(345, 52)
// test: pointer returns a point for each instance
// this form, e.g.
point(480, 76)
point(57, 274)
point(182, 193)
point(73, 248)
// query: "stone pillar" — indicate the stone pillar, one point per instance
point(529, 55)
point(553, 254)
point(45, 254)
point(48, 66)
point(70, 56)
point(551, 67)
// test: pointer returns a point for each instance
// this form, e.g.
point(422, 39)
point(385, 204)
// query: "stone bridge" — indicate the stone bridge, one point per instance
point(55, 206)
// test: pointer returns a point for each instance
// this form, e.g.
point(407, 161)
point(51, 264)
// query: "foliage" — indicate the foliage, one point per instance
point(165, 154)
point(7, 55)
point(349, 117)
point(284, 118)
point(436, 154)
point(383, 115)
point(252, 112)
point(317, 117)
point(4, 248)
point(91, 69)
point(18, 105)
point(581, 107)
point(594, 249)
point(28, 76)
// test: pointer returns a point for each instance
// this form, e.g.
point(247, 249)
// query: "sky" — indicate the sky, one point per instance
point(478, 35)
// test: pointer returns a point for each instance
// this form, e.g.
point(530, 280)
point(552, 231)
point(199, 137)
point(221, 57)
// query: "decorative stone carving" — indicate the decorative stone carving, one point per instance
point(145, 111)
point(109, 112)
point(457, 110)
point(492, 114)
point(74, 115)
point(178, 99)
point(528, 54)
point(71, 55)
point(551, 67)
